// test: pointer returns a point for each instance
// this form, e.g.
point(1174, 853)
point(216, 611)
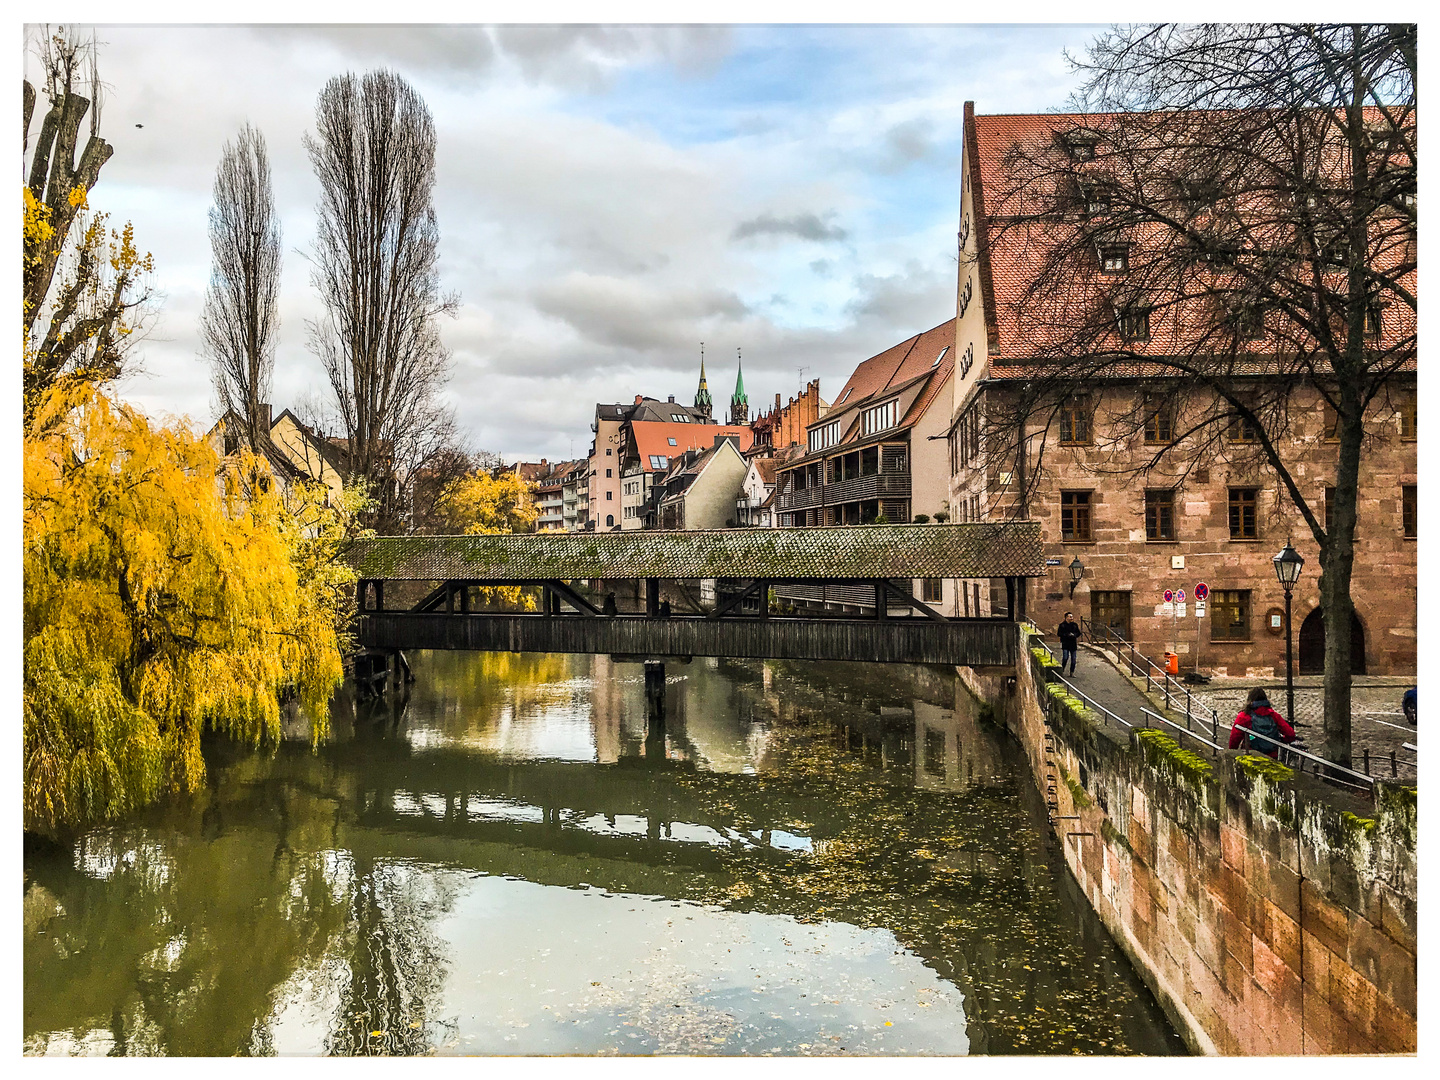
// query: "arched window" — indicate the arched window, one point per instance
point(610, 519)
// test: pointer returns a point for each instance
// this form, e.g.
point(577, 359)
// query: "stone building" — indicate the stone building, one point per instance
point(1218, 521)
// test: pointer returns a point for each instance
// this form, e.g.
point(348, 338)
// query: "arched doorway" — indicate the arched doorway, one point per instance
point(1312, 644)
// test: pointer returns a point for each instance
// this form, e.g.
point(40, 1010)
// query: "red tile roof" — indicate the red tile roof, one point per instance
point(899, 368)
point(1011, 254)
point(651, 437)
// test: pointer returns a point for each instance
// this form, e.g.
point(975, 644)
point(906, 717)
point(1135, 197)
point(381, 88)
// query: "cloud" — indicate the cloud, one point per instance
point(608, 197)
point(801, 226)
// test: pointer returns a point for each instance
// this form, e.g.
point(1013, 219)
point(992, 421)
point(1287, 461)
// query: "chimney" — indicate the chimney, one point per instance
point(639, 398)
point(777, 402)
point(542, 461)
point(672, 399)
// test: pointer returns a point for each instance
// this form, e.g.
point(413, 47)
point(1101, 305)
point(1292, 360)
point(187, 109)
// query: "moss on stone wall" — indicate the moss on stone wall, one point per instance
point(1259, 765)
point(1159, 749)
point(1113, 836)
point(1043, 658)
point(1077, 792)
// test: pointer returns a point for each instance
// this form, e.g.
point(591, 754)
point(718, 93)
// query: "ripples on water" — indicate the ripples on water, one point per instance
point(815, 859)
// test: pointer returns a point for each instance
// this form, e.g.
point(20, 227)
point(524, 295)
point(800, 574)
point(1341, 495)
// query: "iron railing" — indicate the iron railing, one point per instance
point(1141, 665)
point(1289, 753)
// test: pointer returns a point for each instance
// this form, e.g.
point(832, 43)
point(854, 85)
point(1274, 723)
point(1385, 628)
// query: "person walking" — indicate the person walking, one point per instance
point(1259, 718)
point(1069, 632)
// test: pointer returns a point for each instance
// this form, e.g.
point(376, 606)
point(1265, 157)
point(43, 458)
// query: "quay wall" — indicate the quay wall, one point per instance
point(1268, 913)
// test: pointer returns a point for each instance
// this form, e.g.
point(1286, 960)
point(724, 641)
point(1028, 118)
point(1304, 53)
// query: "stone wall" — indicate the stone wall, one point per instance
point(1268, 913)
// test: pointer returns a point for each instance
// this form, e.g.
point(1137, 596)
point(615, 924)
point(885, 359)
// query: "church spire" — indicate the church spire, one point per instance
point(703, 404)
point(739, 403)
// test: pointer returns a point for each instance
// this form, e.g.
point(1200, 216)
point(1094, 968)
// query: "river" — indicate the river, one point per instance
point(817, 859)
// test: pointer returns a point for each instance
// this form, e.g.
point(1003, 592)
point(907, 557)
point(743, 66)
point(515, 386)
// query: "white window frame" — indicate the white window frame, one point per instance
point(882, 417)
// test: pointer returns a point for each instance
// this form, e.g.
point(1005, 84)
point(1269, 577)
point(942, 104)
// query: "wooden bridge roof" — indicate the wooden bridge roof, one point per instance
point(974, 550)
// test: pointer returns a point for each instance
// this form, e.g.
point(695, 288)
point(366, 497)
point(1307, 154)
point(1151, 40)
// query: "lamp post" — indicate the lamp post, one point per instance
point(1287, 569)
point(1077, 571)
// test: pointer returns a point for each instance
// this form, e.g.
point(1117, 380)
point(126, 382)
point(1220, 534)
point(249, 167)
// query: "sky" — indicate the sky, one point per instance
point(608, 198)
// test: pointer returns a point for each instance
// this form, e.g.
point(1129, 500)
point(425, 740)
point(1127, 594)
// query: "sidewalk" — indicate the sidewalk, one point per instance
point(1100, 680)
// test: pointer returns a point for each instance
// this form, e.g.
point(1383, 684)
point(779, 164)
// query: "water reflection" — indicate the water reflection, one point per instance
point(812, 859)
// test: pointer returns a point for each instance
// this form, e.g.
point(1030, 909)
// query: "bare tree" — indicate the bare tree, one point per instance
point(374, 266)
point(83, 285)
point(239, 322)
point(1230, 221)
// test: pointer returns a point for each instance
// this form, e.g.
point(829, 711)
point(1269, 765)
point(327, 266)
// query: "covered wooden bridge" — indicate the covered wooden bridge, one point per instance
point(577, 612)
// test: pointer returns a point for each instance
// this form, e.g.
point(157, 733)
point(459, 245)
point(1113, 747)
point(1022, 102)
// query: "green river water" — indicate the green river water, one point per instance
point(817, 859)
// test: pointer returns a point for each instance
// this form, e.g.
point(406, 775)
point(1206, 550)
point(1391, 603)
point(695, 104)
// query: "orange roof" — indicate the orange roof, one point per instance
point(928, 356)
point(1011, 255)
point(652, 438)
point(765, 467)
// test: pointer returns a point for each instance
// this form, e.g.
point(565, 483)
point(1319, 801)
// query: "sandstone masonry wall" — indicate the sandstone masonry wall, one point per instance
point(1265, 916)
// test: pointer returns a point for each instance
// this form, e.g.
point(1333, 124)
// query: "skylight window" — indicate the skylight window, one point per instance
point(671, 442)
point(936, 362)
point(844, 396)
point(658, 461)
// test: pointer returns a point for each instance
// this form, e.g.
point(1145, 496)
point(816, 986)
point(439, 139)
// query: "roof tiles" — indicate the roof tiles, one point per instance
point(973, 550)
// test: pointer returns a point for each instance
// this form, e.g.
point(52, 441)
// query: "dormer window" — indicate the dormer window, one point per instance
point(1372, 321)
point(1134, 323)
point(1095, 197)
point(880, 418)
point(1081, 145)
point(1114, 258)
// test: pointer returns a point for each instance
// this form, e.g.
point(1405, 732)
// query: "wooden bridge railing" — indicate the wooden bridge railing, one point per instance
point(984, 643)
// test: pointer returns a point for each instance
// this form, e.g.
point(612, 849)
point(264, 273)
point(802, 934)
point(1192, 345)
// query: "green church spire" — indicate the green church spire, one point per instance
point(739, 403)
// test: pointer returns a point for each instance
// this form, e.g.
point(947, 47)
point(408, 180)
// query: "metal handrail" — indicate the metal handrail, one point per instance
point(1092, 702)
point(1165, 680)
point(1184, 731)
point(1291, 748)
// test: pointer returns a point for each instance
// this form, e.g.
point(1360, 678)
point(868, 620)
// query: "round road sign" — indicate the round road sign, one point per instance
point(1202, 591)
point(1180, 596)
point(1169, 596)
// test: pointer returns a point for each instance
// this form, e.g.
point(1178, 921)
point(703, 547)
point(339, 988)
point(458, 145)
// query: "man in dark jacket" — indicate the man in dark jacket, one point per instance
point(1069, 632)
point(1258, 718)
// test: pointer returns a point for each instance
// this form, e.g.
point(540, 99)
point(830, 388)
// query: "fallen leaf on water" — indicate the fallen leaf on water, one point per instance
point(376, 1034)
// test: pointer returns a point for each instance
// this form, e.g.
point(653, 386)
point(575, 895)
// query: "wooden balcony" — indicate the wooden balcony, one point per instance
point(876, 485)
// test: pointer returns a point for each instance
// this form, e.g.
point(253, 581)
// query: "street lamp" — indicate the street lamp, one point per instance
point(1077, 571)
point(1287, 569)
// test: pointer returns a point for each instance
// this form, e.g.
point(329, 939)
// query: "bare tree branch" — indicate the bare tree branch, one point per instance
point(239, 322)
point(374, 265)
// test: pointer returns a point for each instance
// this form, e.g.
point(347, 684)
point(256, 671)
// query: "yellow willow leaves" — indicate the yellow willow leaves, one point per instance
point(156, 604)
point(482, 505)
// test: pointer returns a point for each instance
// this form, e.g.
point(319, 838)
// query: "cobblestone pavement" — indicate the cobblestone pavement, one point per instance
point(1377, 724)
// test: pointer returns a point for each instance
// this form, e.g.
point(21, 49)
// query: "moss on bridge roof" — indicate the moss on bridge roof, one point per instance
point(976, 550)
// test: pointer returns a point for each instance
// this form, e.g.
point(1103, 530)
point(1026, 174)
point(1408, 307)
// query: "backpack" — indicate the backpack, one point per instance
point(1263, 724)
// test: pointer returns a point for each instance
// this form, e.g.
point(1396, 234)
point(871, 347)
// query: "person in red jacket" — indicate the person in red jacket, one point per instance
point(1258, 717)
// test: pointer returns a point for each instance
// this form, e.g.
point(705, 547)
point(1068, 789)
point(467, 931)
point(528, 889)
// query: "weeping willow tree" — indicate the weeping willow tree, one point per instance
point(164, 595)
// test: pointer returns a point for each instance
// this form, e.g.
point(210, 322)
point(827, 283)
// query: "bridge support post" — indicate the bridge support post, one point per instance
point(654, 710)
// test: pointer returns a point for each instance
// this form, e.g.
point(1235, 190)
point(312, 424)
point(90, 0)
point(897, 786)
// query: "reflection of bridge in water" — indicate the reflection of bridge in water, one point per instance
point(579, 615)
point(649, 809)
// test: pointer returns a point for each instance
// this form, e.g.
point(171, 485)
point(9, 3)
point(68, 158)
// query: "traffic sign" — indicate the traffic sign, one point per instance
point(1180, 610)
point(1199, 609)
point(1180, 597)
point(1202, 591)
point(1169, 596)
